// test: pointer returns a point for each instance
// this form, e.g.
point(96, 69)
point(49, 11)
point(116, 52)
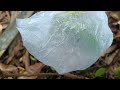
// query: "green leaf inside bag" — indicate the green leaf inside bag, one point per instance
point(74, 12)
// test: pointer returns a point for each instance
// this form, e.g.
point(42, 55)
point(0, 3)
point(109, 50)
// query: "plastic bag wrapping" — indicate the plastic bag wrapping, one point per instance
point(66, 40)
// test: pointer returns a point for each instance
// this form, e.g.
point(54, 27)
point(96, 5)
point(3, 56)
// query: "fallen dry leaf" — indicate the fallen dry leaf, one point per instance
point(111, 49)
point(1, 28)
point(15, 51)
point(116, 58)
point(1, 52)
point(4, 26)
point(5, 17)
point(109, 59)
point(8, 68)
point(2, 14)
point(35, 68)
point(115, 15)
point(25, 77)
point(8, 15)
point(117, 36)
point(31, 69)
point(26, 59)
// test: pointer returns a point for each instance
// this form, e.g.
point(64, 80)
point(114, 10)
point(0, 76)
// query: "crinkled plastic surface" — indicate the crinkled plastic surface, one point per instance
point(66, 40)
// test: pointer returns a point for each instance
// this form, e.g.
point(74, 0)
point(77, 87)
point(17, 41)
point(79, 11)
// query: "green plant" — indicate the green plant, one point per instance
point(100, 72)
point(74, 12)
point(117, 72)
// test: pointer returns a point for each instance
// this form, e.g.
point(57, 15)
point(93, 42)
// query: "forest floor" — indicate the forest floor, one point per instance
point(17, 63)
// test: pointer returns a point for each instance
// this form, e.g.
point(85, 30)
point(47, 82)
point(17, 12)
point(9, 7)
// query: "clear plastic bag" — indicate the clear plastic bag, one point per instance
point(66, 40)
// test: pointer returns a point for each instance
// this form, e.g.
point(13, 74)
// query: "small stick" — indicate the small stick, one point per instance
point(40, 74)
point(73, 76)
point(68, 75)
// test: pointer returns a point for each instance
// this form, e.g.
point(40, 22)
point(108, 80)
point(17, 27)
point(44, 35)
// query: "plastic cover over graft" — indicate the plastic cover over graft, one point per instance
point(66, 40)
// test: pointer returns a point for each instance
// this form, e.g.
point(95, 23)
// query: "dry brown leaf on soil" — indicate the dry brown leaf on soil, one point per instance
point(8, 68)
point(35, 68)
point(25, 77)
point(115, 31)
point(2, 14)
point(5, 26)
point(1, 28)
point(5, 17)
point(111, 49)
point(26, 59)
point(4, 20)
point(1, 52)
point(30, 69)
point(116, 58)
point(115, 15)
point(15, 51)
point(17, 48)
point(8, 15)
point(117, 36)
point(110, 58)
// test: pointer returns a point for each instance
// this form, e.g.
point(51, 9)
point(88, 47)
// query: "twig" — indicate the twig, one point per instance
point(40, 74)
point(68, 75)
point(73, 76)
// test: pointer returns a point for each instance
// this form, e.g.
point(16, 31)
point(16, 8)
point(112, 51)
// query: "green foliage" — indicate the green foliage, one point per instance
point(100, 72)
point(74, 12)
point(117, 72)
